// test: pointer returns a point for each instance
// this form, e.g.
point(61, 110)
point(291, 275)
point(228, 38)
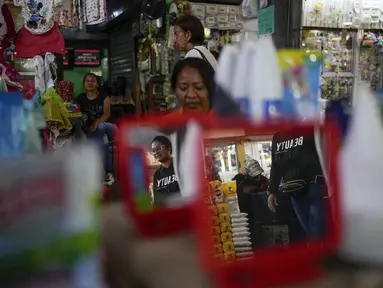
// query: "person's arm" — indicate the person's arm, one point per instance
point(275, 175)
point(105, 116)
point(154, 185)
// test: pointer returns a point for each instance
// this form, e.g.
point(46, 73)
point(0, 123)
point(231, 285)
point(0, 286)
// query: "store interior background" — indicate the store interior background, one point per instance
point(142, 52)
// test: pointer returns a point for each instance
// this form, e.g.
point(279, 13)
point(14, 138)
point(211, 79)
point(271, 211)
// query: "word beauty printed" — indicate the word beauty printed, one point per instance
point(288, 144)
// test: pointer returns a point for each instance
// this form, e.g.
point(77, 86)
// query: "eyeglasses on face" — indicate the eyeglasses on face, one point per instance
point(157, 149)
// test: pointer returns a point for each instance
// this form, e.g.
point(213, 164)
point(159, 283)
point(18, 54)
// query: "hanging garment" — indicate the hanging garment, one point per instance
point(94, 12)
point(29, 45)
point(69, 17)
point(66, 90)
point(38, 15)
point(49, 70)
point(7, 28)
point(39, 74)
point(36, 123)
point(3, 85)
point(8, 81)
point(9, 70)
point(55, 111)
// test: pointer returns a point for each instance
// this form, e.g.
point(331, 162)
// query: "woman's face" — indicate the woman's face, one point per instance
point(160, 152)
point(191, 91)
point(90, 83)
point(182, 38)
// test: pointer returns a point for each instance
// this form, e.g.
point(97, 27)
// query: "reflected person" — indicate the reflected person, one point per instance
point(165, 181)
point(295, 161)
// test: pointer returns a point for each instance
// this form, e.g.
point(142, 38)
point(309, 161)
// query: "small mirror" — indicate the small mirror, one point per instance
point(266, 190)
point(160, 163)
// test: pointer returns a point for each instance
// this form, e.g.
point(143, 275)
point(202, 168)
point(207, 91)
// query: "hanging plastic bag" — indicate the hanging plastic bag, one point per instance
point(55, 110)
point(36, 122)
point(13, 118)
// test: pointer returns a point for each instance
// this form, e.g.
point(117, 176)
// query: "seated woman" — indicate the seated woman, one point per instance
point(165, 182)
point(95, 106)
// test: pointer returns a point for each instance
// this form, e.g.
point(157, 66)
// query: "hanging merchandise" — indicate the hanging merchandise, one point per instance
point(50, 70)
point(19, 132)
point(35, 124)
point(68, 17)
point(10, 72)
point(7, 28)
point(66, 90)
point(8, 81)
point(55, 111)
point(39, 74)
point(38, 15)
point(39, 34)
point(28, 45)
point(93, 11)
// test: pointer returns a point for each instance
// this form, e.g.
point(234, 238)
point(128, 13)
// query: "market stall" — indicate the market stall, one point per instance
point(250, 225)
point(157, 53)
point(349, 33)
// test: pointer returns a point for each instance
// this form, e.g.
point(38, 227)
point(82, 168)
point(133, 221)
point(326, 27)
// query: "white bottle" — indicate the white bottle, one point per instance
point(226, 67)
point(360, 171)
point(264, 78)
point(241, 85)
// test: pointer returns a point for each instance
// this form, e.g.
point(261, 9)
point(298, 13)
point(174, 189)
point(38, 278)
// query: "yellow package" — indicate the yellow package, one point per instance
point(214, 185)
point(219, 257)
point(214, 221)
point(213, 210)
point(224, 218)
point(228, 246)
point(215, 230)
point(217, 249)
point(230, 256)
point(216, 239)
point(229, 189)
point(227, 236)
point(225, 227)
point(222, 208)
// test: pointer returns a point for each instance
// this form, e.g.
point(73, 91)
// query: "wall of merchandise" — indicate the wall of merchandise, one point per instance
point(214, 16)
point(366, 14)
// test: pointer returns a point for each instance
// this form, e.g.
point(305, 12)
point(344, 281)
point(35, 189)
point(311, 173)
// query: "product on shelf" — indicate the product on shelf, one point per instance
point(230, 232)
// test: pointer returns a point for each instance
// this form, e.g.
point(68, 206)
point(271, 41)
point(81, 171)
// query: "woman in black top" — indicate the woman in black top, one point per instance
point(95, 107)
point(165, 182)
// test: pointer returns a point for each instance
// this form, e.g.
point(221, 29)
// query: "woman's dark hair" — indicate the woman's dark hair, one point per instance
point(194, 26)
point(98, 79)
point(203, 67)
point(164, 141)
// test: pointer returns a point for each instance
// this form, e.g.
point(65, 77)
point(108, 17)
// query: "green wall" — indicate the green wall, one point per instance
point(76, 74)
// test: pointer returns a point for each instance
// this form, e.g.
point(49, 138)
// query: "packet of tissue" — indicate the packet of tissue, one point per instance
point(48, 224)
point(301, 75)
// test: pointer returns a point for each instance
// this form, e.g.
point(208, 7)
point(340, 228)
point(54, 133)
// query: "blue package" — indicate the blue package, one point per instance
point(13, 126)
point(301, 72)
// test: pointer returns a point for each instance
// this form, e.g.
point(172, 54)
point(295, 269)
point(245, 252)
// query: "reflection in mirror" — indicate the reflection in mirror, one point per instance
point(164, 188)
point(266, 190)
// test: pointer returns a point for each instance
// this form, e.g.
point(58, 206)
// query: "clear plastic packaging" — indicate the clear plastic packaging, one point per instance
point(49, 223)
